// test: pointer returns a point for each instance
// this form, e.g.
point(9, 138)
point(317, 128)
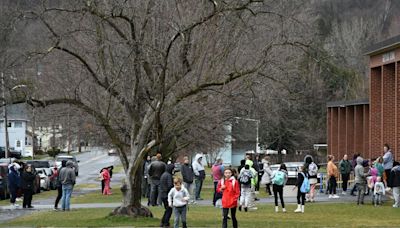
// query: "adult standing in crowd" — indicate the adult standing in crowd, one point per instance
point(67, 177)
point(13, 183)
point(353, 165)
point(166, 184)
point(266, 177)
point(394, 183)
point(312, 170)
point(387, 160)
point(27, 178)
point(59, 184)
point(145, 180)
point(188, 177)
point(199, 174)
point(217, 173)
point(332, 175)
point(345, 169)
point(156, 169)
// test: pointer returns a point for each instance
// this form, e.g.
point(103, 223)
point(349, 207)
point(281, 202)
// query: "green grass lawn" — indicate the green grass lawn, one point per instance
point(316, 215)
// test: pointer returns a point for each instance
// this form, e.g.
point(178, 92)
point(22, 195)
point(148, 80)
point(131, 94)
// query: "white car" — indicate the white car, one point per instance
point(44, 174)
point(72, 158)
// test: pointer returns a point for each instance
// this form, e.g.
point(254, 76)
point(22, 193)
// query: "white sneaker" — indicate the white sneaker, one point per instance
point(387, 189)
point(394, 205)
point(335, 196)
point(284, 210)
point(18, 199)
point(330, 196)
point(298, 209)
point(276, 209)
point(16, 205)
point(344, 193)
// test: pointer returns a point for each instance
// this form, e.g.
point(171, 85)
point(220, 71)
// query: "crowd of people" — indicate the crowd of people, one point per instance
point(21, 178)
point(237, 188)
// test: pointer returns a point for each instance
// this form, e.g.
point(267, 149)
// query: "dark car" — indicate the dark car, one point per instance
point(13, 153)
point(4, 181)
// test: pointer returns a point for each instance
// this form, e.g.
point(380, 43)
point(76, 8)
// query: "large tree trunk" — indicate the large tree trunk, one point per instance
point(131, 205)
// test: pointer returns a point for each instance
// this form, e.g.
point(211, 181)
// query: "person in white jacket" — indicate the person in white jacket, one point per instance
point(379, 190)
point(199, 174)
point(266, 177)
point(178, 198)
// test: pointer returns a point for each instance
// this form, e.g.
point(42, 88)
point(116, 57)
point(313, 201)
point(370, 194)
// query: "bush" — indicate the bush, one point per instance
point(53, 152)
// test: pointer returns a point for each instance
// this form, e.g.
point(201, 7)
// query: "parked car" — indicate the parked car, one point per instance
point(4, 181)
point(44, 174)
point(112, 152)
point(292, 168)
point(13, 153)
point(72, 158)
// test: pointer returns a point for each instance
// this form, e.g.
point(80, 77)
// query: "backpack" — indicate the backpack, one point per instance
point(305, 186)
point(245, 177)
point(312, 169)
point(279, 178)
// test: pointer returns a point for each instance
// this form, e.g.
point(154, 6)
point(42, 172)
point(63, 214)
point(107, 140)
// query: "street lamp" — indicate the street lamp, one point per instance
point(7, 143)
point(257, 125)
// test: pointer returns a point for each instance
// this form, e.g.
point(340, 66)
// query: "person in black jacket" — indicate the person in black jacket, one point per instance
point(394, 183)
point(27, 179)
point(166, 183)
point(188, 177)
point(156, 169)
point(301, 197)
point(14, 183)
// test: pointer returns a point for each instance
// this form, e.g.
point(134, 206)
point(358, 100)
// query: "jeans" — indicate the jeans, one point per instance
point(66, 196)
point(278, 189)
point(155, 192)
point(167, 213)
point(396, 196)
point(345, 178)
point(332, 185)
point(225, 212)
point(199, 185)
point(59, 195)
point(190, 188)
point(180, 214)
point(13, 195)
point(377, 199)
point(360, 190)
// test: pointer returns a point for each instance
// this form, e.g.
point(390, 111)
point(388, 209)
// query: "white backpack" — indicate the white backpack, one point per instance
point(312, 169)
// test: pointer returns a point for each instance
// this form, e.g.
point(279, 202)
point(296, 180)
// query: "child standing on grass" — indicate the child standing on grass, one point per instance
point(301, 196)
point(379, 190)
point(245, 177)
point(279, 179)
point(229, 187)
point(178, 198)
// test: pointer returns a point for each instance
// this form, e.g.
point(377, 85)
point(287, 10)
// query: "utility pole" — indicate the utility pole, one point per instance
point(5, 116)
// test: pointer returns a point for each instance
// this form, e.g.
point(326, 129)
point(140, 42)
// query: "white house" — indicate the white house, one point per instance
point(241, 136)
point(18, 138)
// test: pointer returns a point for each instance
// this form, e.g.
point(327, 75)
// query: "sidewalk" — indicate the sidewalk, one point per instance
point(320, 198)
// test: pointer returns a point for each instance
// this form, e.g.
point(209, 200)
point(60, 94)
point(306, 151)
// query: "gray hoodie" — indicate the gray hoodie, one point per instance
point(360, 175)
point(67, 175)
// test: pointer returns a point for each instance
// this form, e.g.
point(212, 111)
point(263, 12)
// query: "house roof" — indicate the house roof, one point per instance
point(347, 103)
point(15, 112)
point(383, 46)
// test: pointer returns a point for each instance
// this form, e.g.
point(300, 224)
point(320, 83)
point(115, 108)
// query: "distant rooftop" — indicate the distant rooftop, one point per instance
point(383, 46)
point(15, 112)
point(347, 103)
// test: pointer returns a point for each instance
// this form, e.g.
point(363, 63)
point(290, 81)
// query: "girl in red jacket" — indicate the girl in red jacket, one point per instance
point(229, 187)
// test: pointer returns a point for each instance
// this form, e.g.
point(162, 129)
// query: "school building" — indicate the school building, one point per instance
point(364, 126)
